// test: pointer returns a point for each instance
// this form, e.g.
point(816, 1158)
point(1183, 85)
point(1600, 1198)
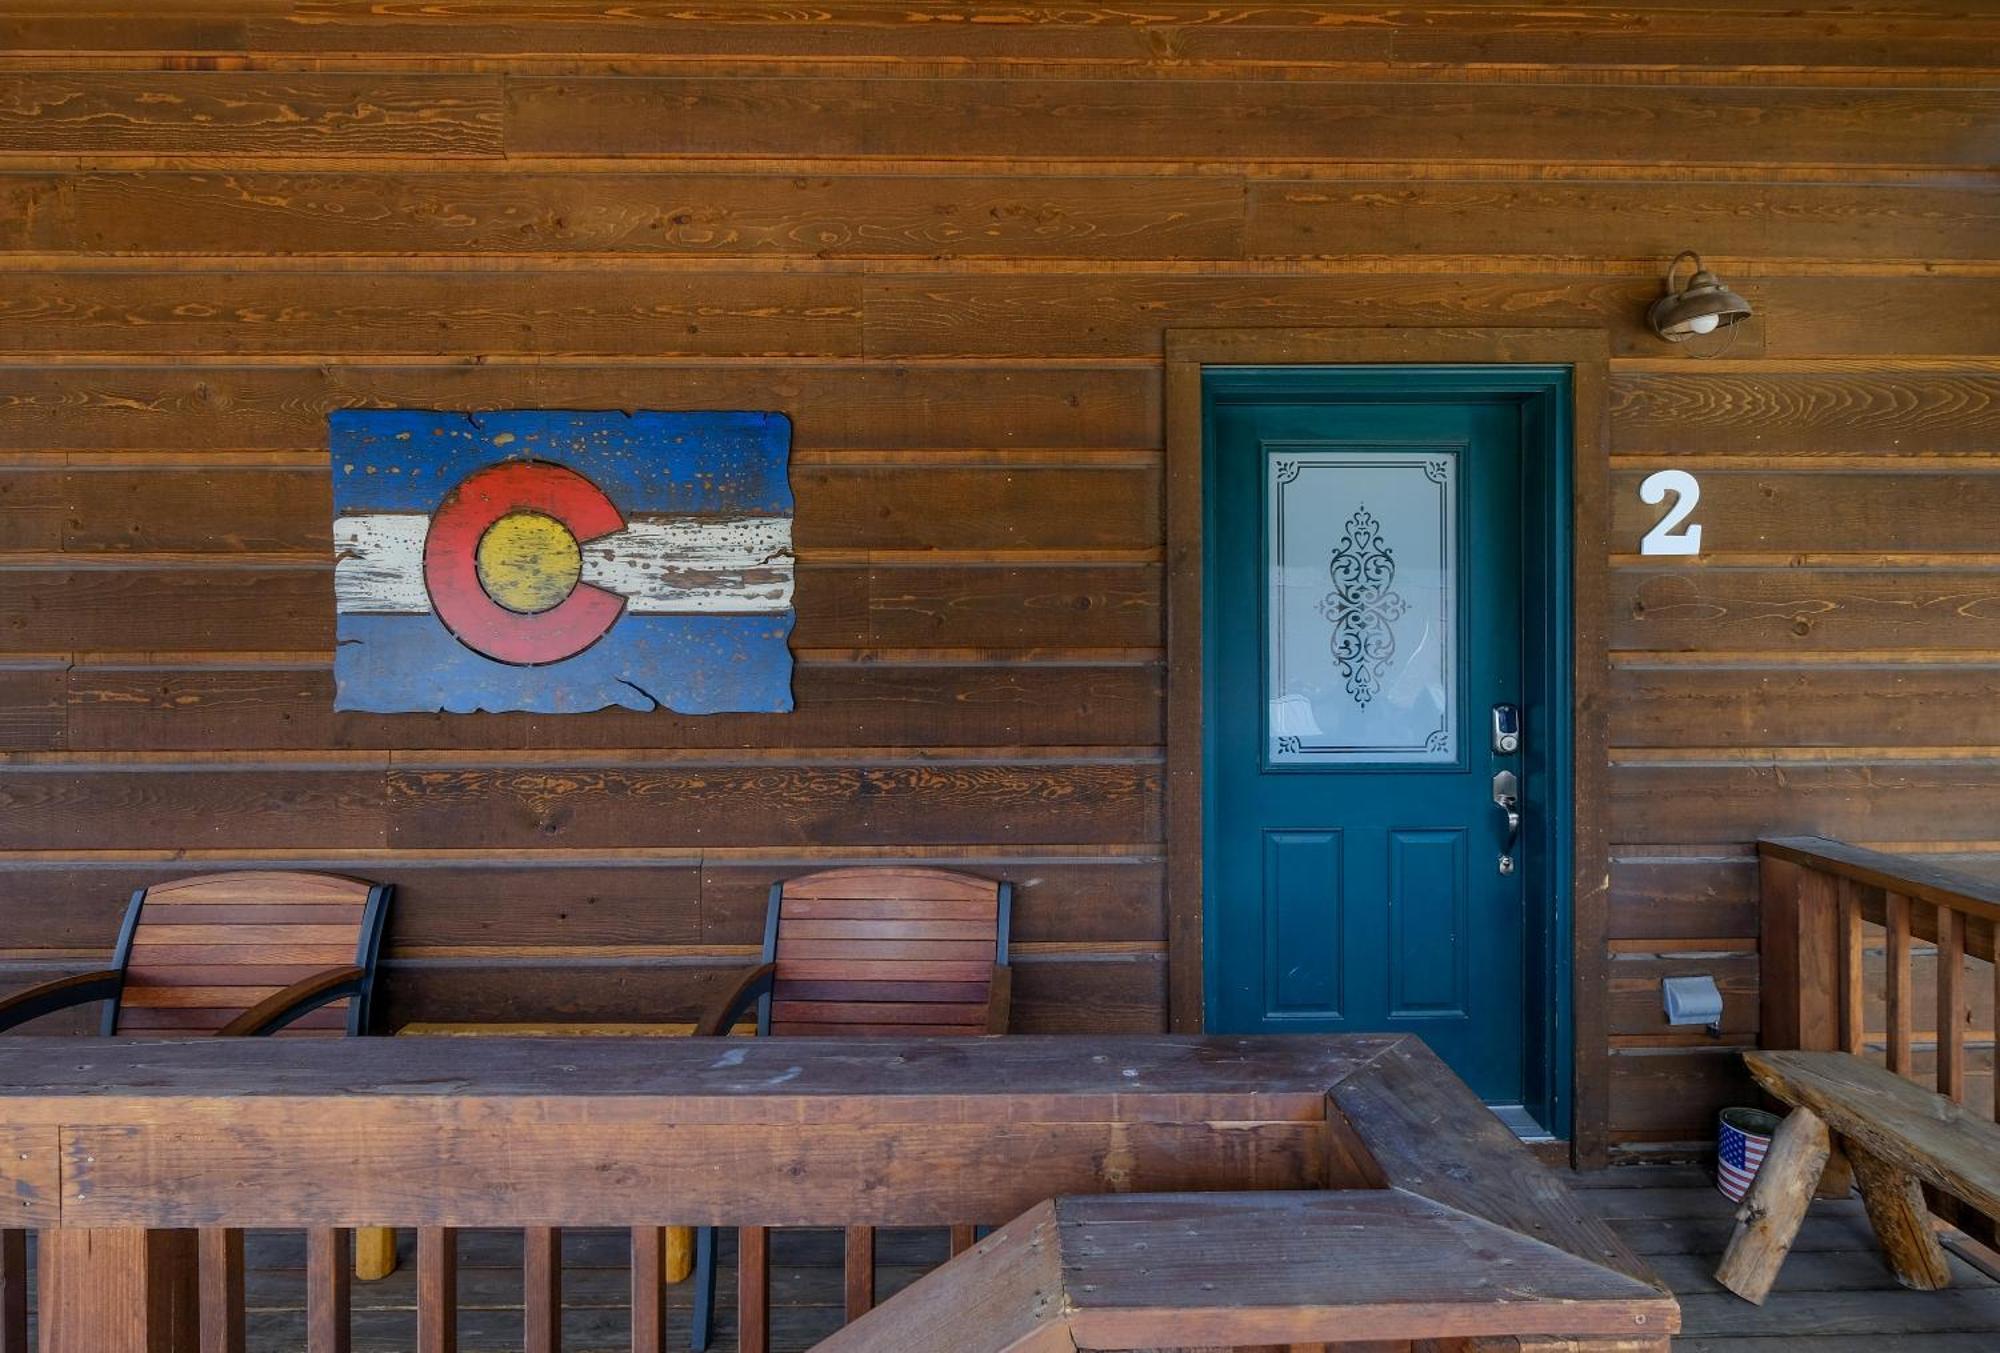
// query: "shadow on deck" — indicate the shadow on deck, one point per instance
point(1835, 1295)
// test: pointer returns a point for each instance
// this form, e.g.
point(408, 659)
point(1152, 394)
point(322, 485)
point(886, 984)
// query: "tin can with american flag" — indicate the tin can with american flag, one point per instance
point(1741, 1141)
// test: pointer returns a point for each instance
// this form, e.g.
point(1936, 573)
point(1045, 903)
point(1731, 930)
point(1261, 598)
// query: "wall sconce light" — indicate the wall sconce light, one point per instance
point(1701, 307)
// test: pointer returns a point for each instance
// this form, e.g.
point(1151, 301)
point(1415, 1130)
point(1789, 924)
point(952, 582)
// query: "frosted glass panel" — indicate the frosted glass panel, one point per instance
point(1362, 571)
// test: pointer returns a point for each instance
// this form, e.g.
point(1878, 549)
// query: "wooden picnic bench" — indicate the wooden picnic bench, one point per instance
point(1906, 1138)
point(1898, 1136)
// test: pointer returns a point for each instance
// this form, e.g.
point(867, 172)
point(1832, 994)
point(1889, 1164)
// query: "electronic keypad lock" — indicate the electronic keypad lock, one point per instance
point(1506, 729)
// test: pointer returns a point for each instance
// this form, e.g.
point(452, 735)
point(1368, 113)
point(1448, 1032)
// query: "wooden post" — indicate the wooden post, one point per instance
point(860, 1269)
point(13, 1291)
point(1951, 1014)
point(649, 1298)
point(962, 1239)
point(541, 1290)
point(753, 1289)
point(1799, 958)
point(1768, 1221)
point(329, 1270)
point(223, 1325)
point(1899, 999)
point(437, 1290)
point(119, 1291)
point(1902, 1224)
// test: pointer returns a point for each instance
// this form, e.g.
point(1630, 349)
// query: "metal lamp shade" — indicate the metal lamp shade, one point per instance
point(1676, 315)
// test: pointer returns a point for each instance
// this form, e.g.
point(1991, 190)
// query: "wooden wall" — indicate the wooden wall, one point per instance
point(946, 239)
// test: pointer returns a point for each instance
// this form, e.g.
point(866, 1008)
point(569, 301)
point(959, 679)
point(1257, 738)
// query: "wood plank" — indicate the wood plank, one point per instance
point(329, 1314)
point(649, 1312)
point(702, 215)
point(250, 113)
point(1056, 801)
point(1802, 610)
point(1067, 501)
point(1928, 506)
point(1952, 1014)
point(1724, 804)
point(1673, 1095)
point(55, 808)
point(1489, 217)
point(1811, 411)
point(1233, 120)
point(1077, 993)
point(842, 701)
point(357, 314)
point(14, 1279)
point(542, 1290)
point(1171, 36)
point(1397, 1107)
point(153, 407)
point(223, 1324)
point(1902, 704)
point(1708, 896)
point(1899, 996)
point(192, 605)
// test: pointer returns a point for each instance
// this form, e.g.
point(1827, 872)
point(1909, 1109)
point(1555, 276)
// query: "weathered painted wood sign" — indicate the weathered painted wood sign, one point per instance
point(562, 562)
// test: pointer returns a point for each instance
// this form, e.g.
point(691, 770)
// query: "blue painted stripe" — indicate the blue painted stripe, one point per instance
point(406, 460)
point(692, 664)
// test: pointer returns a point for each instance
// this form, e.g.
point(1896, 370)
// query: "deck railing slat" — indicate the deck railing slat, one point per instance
point(1951, 1012)
point(1899, 994)
point(1853, 989)
point(223, 1325)
point(649, 1294)
point(437, 1290)
point(541, 1289)
point(329, 1281)
point(13, 1291)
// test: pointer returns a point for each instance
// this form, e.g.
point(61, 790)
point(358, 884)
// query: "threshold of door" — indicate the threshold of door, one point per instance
point(1521, 1122)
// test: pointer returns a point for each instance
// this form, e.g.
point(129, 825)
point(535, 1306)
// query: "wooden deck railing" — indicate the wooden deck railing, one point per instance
point(142, 1163)
point(1883, 956)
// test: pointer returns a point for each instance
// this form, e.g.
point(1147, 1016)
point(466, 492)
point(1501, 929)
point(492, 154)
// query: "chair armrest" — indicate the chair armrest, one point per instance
point(753, 986)
point(1000, 999)
point(303, 997)
point(60, 994)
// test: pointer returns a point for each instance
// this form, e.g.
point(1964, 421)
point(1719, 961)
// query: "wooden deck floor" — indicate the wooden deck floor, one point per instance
point(1834, 1296)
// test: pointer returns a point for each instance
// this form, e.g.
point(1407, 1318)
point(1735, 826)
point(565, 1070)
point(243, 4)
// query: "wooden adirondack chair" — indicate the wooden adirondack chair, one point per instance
point(899, 951)
point(255, 952)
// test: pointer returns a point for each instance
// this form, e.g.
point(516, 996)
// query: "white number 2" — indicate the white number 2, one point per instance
point(1665, 538)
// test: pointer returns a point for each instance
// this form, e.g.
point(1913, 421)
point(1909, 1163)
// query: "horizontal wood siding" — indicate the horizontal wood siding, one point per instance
point(950, 251)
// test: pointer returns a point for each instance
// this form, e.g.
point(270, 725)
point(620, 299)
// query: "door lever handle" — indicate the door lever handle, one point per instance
point(1507, 797)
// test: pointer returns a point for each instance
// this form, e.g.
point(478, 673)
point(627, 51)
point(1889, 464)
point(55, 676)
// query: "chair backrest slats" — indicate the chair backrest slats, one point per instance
point(897, 951)
point(198, 952)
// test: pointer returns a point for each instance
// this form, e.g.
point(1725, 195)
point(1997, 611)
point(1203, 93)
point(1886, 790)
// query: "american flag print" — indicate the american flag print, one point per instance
point(1738, 1154)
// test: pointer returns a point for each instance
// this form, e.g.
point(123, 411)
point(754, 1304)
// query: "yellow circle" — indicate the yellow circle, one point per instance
point(528, 562)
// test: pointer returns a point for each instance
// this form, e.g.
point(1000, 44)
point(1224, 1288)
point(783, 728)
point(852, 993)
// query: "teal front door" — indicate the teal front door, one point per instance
point(1371, 768)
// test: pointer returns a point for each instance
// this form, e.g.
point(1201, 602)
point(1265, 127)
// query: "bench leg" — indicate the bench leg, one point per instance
point(1895, 1202)
point(1768, 1221)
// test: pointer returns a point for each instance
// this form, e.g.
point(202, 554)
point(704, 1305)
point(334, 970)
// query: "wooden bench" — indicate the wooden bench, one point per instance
point(1898, 1137)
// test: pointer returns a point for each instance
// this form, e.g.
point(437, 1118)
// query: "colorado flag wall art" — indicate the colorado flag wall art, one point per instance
point(561, 562)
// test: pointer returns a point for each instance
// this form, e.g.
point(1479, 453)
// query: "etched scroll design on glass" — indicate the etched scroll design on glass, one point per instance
point(1363, 606)
point(1363, 672)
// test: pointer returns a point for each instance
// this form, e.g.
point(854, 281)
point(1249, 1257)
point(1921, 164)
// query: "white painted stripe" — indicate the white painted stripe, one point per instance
point(669, 564)
point(660, 565)
point(378, 564)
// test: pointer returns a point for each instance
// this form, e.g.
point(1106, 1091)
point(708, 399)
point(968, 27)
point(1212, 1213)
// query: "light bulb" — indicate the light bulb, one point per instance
point(1703, 324)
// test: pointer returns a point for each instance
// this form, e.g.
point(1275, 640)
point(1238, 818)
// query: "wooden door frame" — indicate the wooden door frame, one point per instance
point(1587, 353)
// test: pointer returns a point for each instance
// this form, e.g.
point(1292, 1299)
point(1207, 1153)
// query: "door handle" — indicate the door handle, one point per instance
point(1507, 797)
